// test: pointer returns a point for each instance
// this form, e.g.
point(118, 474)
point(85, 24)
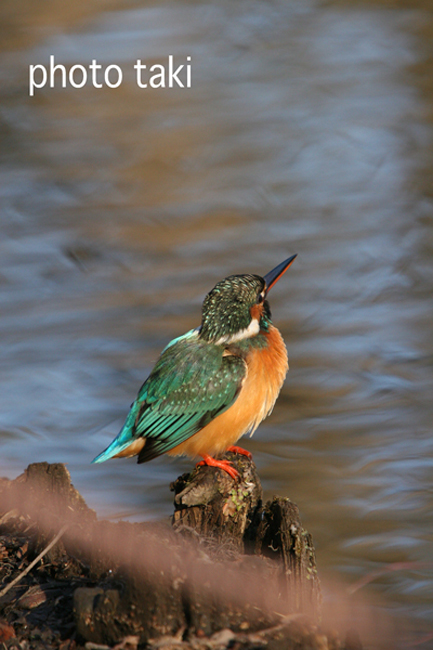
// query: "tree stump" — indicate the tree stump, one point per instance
point(231, 519)
point(209, 503)
point(245, 569)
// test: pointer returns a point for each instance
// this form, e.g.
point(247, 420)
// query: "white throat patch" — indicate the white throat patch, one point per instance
point(252, 330)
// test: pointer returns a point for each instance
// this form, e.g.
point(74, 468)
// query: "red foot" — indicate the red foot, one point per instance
point(222, 464)
point(239, 450)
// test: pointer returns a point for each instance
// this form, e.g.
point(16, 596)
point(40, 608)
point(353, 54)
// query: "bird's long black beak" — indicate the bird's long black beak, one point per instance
point(273, 276)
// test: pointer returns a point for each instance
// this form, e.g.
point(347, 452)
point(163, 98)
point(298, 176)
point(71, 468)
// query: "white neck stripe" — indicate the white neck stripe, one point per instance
point(252, 330)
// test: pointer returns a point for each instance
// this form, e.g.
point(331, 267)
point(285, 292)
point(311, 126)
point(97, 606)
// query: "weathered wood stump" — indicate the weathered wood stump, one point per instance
point(226, 562)
point(209, 503)
point(231, 519)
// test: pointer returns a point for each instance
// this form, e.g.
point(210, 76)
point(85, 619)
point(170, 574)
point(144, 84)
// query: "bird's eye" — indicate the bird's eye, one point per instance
point(261, 297)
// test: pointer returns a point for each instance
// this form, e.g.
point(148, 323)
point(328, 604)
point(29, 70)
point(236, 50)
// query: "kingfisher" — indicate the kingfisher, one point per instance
point(215, 383)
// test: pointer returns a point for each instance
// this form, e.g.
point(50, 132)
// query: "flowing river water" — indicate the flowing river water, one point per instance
point(307, 129)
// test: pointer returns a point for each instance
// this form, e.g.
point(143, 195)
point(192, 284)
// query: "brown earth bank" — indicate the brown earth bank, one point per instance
point(227, 571)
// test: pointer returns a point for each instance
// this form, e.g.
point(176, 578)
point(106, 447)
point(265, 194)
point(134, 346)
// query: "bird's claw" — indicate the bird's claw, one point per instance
point(221, 464)
point(239, 450)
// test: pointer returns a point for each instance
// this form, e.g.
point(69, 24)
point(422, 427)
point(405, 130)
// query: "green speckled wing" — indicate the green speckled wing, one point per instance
point(190, 385)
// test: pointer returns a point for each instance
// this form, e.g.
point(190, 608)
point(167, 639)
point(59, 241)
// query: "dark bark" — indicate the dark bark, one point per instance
point(245, 567)
point(230, 518)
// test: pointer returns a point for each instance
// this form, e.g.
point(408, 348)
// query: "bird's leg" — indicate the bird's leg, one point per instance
point(238, 450)
point(222, 464)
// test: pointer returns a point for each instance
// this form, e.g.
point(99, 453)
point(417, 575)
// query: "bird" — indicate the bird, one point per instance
point(213, 384)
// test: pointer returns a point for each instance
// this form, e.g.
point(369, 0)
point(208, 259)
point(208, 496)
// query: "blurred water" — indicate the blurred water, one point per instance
point(308, 129)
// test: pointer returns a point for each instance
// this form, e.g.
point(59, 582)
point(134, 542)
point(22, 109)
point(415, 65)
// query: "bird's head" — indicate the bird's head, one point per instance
point(237, 308)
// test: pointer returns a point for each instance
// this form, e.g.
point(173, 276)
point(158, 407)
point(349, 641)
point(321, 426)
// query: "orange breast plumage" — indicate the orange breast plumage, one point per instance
point(266, 368)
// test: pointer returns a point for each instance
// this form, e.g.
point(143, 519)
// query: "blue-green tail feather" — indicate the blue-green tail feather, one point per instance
point(124, 438)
